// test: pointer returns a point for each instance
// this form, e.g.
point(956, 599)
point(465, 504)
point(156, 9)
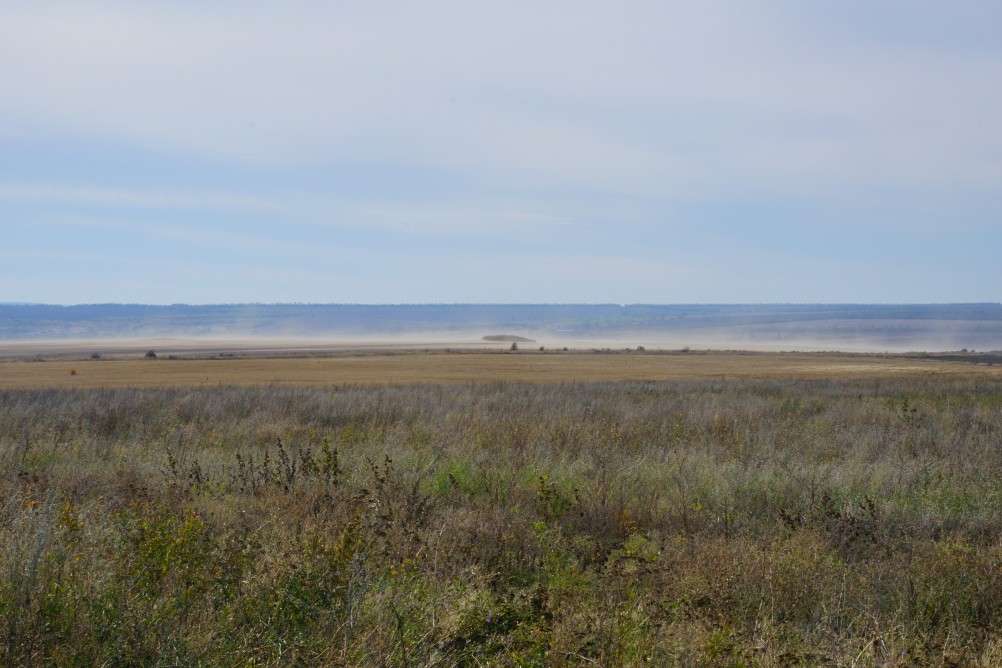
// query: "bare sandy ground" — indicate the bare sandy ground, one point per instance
point(207, 347)
point(436, 359)
point(293, 346)
point(431, 366)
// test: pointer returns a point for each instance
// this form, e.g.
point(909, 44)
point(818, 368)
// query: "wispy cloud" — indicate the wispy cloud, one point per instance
point(650, 133)
point(456, 221)
point(709, 96)
point(123, 197)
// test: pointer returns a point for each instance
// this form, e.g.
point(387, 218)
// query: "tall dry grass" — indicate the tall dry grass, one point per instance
point(615, 524)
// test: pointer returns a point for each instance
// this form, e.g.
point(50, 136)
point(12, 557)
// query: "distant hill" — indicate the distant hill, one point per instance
point(894, 326)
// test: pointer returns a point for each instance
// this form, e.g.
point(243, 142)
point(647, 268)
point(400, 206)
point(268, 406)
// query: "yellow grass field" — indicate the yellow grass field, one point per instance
point(446, 367)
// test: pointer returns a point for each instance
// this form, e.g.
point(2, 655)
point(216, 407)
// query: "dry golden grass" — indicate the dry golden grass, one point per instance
point(760, 523)
point(444, 367)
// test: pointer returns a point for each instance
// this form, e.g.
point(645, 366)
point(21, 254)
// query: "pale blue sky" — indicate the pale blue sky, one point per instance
point(563, 151)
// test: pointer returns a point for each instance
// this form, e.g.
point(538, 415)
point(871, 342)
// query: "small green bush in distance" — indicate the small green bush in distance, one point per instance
point(613, 524)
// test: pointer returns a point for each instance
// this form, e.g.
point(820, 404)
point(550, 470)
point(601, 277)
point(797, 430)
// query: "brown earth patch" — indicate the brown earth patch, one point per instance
point(476, 367)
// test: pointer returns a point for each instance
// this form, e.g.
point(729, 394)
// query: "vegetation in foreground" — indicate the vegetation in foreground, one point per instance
point(711, 524)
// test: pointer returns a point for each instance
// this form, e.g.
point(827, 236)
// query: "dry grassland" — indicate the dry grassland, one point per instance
point(417, 367)
point(407, 509)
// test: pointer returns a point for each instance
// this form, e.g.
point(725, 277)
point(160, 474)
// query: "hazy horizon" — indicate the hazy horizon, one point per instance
point(773, 327)
point(529, 304)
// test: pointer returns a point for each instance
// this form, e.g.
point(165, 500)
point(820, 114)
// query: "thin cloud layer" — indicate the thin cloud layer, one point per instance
point(374, 129)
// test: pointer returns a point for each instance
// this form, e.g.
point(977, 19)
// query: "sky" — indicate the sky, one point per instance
point(501, 152)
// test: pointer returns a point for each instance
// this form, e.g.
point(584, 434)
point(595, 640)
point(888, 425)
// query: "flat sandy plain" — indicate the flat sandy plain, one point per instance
point(291, 362)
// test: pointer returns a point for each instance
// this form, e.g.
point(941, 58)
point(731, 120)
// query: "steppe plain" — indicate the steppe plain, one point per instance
point(311, 362)
point(368, 503)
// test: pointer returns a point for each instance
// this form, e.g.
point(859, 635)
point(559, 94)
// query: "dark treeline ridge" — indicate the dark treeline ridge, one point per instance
point(612, 524)
point(966, 325)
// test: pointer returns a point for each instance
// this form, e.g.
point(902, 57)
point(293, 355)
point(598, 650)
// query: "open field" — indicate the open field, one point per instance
point(465, 367)
point(381, 506)
point(702, 523)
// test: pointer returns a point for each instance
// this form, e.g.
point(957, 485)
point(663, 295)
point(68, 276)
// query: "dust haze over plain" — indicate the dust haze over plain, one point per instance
point(291, 328)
